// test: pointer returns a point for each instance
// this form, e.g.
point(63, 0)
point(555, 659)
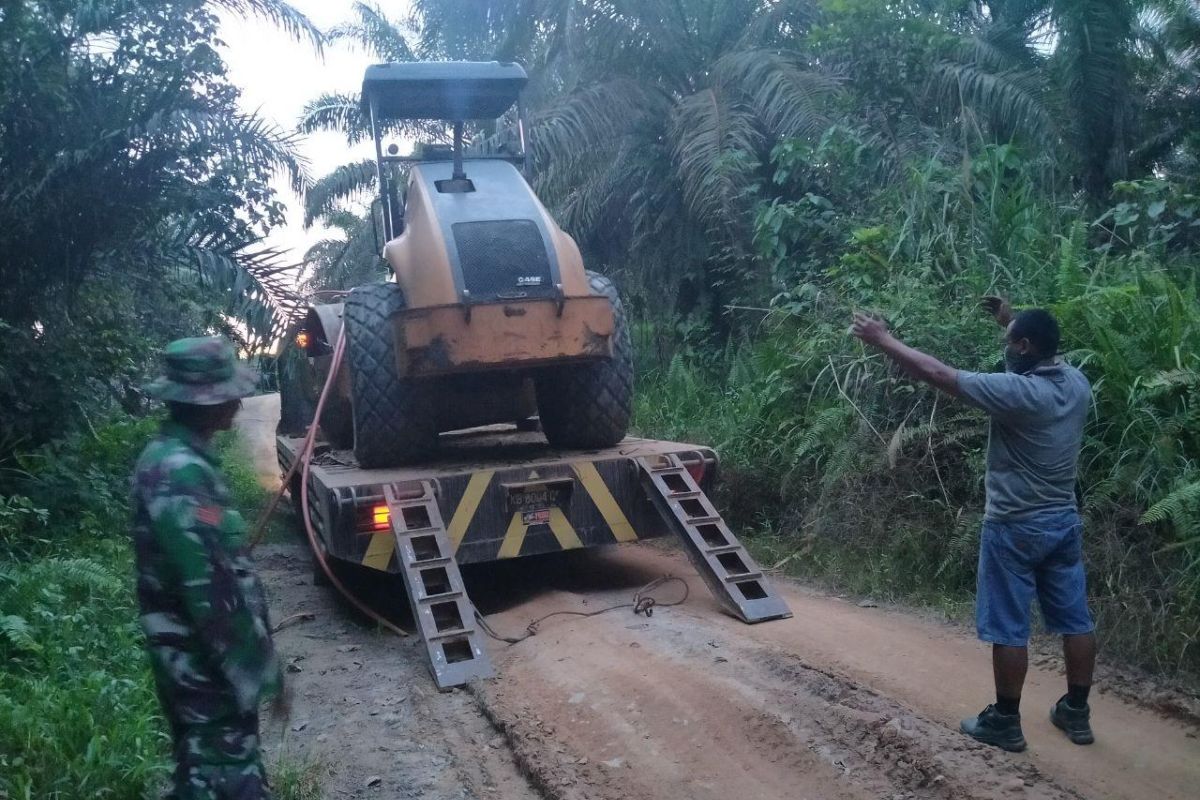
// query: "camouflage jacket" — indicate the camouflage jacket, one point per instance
point(203, 609)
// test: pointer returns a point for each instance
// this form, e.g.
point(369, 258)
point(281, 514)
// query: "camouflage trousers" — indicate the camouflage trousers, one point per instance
point(218, 760)
point(216, 747)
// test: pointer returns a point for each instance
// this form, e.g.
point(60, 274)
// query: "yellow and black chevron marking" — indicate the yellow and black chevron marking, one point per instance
point(483, 527)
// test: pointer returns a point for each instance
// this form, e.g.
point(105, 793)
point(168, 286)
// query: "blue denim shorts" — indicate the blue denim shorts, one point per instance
point(1040, 555)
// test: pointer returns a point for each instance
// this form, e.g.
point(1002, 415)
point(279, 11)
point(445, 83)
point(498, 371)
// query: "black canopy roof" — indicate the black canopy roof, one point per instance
point(449, 90)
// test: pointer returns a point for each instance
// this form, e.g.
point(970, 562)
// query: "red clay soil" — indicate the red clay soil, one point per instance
point(838, 702)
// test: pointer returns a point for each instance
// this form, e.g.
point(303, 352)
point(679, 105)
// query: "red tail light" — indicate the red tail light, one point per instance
point(381, 518)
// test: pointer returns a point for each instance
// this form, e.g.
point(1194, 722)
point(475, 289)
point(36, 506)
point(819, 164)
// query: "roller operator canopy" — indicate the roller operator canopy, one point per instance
point(446, 90)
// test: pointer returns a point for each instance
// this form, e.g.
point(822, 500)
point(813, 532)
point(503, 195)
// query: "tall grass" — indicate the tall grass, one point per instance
point(855, 474)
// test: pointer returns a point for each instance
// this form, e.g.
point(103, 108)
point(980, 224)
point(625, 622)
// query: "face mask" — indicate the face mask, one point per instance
point(1019, 363)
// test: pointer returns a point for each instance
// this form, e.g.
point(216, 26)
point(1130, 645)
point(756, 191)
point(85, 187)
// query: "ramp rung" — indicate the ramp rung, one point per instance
point(456, 633)
point(456, 653)
point(431, 562)
point(743, 576)
point(745, 593)
point(439, 598)
point(415, 531)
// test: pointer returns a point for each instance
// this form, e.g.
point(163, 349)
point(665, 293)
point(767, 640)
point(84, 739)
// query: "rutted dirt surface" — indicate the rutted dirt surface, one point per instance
point(838, 702)
point(363, 704)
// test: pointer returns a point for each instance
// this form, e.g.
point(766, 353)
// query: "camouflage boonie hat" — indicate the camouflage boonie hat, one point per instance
point(202, 371)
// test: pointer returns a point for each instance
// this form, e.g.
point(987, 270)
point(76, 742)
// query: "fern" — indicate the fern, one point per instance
point(1178, 507)
point(17, 632)
point(1071, 280)
point(829, 421)
point(963, 542)
point(82, 573)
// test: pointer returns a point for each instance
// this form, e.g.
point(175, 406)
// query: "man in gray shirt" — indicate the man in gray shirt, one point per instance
point(1031, 540)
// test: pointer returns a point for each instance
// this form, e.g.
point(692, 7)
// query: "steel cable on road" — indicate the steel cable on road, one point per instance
point(642, 603)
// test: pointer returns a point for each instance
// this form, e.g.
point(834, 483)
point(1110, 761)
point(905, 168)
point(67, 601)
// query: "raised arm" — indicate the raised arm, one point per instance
point(921, 366)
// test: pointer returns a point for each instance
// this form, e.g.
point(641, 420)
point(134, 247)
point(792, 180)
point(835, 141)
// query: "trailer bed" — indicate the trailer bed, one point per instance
point(504, 493)
point(498, 493)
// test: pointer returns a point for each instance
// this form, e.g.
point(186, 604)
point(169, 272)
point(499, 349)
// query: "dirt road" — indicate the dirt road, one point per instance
point(838, 702)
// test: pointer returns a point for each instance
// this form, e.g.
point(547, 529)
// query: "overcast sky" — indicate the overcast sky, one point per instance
point(278, 75)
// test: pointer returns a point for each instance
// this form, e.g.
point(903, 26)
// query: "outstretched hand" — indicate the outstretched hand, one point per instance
point(869, 328)
point(998, 307)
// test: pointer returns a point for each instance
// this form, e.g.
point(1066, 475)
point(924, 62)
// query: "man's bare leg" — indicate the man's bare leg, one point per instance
point(1080, 653)
point(1009, 665)
point(1000, 723)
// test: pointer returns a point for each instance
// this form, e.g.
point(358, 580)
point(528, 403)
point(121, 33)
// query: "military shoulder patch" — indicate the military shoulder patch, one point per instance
point(209, 515)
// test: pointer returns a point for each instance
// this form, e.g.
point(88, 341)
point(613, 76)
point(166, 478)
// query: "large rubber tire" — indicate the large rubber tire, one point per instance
point(587, 406)
point(297, 392)
point(394, 421)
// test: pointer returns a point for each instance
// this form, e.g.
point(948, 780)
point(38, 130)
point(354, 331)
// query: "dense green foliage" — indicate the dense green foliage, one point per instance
point(864, 477)
point(133, 192)
point(78, 713)
point(752, 172)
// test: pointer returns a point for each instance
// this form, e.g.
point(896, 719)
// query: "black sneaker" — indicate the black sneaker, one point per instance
point(992, 727)
point(1074, 722)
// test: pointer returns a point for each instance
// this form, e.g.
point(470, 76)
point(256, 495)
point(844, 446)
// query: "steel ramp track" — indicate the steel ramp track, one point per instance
point(732, 575)
point(443, 613)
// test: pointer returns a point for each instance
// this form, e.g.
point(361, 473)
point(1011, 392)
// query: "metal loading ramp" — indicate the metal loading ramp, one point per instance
point(733, 577)
point(443, 613)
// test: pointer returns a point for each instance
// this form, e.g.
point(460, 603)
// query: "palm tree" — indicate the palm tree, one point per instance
point(653, 118)
point(123, 151)
point(1108, 85)
point(341, 112)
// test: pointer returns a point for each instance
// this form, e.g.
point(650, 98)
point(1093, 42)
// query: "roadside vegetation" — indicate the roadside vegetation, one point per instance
point(748, 172)
point(134, 192)
point(78, 712)
point(752, 172)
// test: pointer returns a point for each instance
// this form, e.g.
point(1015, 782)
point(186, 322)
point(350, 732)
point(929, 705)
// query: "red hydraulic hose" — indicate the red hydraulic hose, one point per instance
point(304, 460)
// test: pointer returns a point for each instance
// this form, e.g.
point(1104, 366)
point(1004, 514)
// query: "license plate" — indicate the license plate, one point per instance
point(534, 500)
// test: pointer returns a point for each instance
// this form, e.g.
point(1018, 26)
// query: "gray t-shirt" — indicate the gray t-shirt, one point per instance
point(1035, 437)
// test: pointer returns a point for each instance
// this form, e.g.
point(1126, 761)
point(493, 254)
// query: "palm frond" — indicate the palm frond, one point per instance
point(594, 117)
point(100, 16)
point(374, 31)
point(345, 182)
point(788, 98)
point(253, 140)
point(340, 112)
point(281, 14)
point(257, 284)
point(1014, 98)
point(716, 141)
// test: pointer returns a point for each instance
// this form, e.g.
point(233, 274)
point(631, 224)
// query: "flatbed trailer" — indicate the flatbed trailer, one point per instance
point(500, 492)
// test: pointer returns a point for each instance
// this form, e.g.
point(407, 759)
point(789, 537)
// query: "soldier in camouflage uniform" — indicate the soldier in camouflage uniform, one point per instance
point(203, 609)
